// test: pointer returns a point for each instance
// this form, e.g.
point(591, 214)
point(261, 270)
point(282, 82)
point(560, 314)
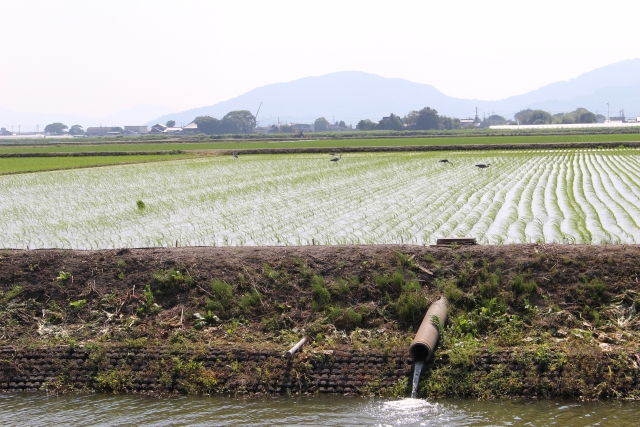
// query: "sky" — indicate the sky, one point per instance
point(95, 57)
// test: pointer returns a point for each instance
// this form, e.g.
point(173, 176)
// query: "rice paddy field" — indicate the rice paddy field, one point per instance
point(564, 196)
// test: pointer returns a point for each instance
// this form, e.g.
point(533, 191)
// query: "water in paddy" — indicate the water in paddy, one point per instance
point(112, 410)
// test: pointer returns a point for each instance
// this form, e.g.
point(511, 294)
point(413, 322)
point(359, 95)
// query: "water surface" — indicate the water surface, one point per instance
point(115, 410)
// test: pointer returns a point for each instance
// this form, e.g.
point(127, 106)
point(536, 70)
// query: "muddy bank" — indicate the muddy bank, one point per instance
point(525, 320)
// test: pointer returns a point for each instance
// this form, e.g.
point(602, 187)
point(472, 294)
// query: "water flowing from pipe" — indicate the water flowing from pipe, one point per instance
point(417, 368)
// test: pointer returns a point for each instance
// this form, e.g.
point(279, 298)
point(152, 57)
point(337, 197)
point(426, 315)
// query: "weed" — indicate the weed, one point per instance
point(170, 279)
point(136, 342)
point(277, 323)
point(404, 260)
point(149, 306)
point(12, 293)
point(115, 380)
point(464, 352)
point(208, 319)
point(77, 305)
point(63, 276)
point(542, 357)
point(141, 205)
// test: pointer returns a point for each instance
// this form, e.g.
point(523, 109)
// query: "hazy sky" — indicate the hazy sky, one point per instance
point(95, 57)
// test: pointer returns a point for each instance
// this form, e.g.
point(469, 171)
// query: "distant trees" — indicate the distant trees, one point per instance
point(428, 119)
point(76, 130)
point(580, 115)
point(366, 124)
point(321, 125)
point(171, 123)
point(496, 120)
point(284, 128)
point(392, 122)
point(540, 117)
point(533, 117)
point(55, 128)
point(239, 121)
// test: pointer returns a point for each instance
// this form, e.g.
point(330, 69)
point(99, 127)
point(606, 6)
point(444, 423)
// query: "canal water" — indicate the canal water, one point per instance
point(115, 410)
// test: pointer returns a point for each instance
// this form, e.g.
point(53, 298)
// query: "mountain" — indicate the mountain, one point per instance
point(354, 95)
point(28, 121)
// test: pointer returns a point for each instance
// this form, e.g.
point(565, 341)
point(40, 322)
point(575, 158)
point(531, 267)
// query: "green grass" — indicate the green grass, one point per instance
point(328, 143)
point(38, 164)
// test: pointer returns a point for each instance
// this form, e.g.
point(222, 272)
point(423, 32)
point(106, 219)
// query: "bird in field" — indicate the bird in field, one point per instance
point(335, 159)
point(235, 154)
point(444, 161)
point(333, 153)
point(482, 166)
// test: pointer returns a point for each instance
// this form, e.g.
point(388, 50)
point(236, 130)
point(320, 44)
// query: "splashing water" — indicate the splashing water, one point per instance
point(417, 368)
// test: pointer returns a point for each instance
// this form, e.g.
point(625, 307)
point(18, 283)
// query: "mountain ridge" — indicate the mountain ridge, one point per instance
point(355, 95)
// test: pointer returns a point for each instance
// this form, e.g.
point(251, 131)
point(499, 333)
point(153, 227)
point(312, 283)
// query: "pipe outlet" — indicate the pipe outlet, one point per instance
point(426, 339)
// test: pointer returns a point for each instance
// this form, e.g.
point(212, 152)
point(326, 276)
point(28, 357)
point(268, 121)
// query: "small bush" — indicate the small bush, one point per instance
point(411, 307)
point(341, 287)
point(321, 296)
point(141, 205)
point(247, 301)
point(345, 318)
point(522, 286)
point(222, 297)
point(597, 289)
point(115, 381)
point(276, 323)
point(404, 260)
point(390, 281)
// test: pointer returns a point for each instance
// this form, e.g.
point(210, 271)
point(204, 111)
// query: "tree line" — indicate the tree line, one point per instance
point(239, 121)
point(541, 117)
point(425, 119)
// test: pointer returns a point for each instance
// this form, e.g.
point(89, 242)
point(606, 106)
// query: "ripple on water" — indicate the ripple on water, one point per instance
point(321, 411)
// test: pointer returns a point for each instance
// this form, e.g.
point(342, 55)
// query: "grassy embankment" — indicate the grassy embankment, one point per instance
point(558, 320)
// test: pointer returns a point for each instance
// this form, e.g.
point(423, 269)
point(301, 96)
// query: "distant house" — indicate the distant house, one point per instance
point(617, 119)
point(302, 127)
point(103, 130)
point(190, 128)
point(136, 129)
point(158, 128)
point(4, 131)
